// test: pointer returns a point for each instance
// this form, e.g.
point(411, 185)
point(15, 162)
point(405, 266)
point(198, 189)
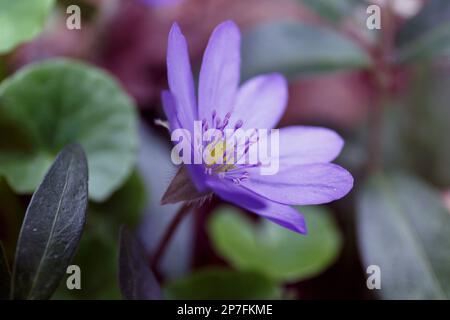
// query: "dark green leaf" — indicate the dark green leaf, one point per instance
point(126, 205)
point(5, 275)
point(426, 35)
point(272, 250)
point(51, 104)
point(21, 20)
point(136, 279)
point(403, 228)
point(52, 227)
point(332, 10)
point(218, 283)
point(294, 48)
point(415, 127)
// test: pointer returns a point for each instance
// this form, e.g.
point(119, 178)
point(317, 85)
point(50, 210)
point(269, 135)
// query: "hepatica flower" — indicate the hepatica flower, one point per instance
point(161, 3)
point(304, 174)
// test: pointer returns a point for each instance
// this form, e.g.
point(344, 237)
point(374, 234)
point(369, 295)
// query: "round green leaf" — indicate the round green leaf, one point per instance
point(47, 105)
point(272, 250)
point(219, 283)
point(295, 48)
point(21, 20)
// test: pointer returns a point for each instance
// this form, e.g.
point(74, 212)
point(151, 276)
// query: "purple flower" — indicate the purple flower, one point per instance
point(305, 175)
point(161, 3)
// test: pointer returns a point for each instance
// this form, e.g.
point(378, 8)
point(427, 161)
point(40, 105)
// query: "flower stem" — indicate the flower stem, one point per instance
point(167, 237)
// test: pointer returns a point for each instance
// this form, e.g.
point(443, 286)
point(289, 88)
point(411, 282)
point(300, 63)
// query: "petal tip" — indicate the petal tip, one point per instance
point(175, 34)
point(175, 28)
point(230, 27)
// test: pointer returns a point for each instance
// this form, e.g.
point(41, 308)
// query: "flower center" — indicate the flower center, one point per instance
point(226, 152)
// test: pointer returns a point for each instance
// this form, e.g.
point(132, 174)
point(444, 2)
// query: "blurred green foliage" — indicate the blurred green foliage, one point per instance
point(219, 283)
point(401, 223)
point(271, 250)
point(21, 20)
point(98, 252)
point(427, 35)
point(48, 105)
point(416, 126)
point(295, 48)
point(403, 228)
point(332, 10)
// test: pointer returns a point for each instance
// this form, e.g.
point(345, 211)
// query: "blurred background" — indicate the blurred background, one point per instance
point(386, 91)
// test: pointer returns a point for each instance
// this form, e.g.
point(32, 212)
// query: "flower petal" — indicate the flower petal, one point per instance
point(169, 106)
point(261, 102)
point(305, 145)
point(180, 78)
point(278, 213)
point(198, 176)
point(196, 172)
point(219, 74)
point(301, 184)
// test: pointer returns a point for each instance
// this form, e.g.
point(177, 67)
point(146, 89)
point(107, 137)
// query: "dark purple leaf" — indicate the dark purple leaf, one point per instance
point(52, 227)
point(136, 280)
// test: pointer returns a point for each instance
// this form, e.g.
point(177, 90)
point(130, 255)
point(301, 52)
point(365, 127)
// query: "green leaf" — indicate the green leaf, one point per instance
point(126, 205)
point(219, 283)
point(5, 275)
point(427, 34)
point(52, 227)
point(294, 48)
point(332, 10)
point(403, 228)
point(54, 103)
point(137, 281)
point(415, 125)
point(21, 20)
point(420, 125)
point(272, 250)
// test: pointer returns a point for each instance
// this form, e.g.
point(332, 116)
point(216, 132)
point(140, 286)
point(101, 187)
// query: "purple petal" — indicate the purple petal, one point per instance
point(278, 213)
point(180, 78)
point(305, 145)
point(170, 110)
point(161, 3)
point(219, 74)
point(198, 176)
point(261, 102)
point(302, 184)
point(195, 171)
